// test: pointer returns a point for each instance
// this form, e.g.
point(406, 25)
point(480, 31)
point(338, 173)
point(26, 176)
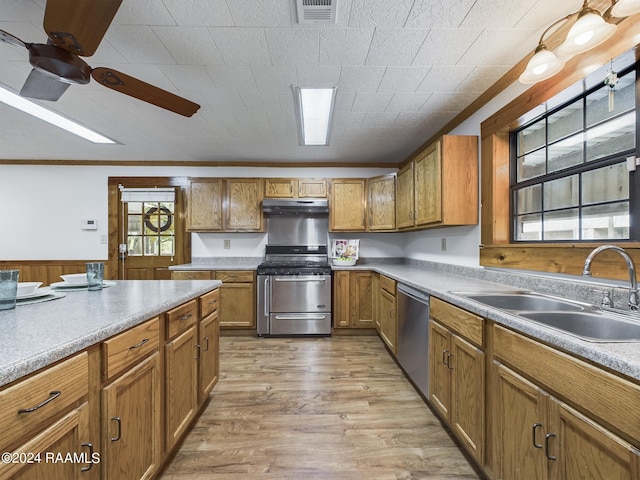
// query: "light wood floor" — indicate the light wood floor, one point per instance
point(334, 408)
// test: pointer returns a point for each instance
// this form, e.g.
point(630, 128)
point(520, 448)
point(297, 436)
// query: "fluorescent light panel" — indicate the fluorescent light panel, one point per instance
point(21, 103)
point(315, 112)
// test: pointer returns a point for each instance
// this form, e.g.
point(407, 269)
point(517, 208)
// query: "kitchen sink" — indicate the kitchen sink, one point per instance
point(590, 326)
point(523, 301)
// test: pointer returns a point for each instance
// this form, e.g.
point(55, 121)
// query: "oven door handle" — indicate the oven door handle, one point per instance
point(299, 317)
point(294, 279)
point(266, 297)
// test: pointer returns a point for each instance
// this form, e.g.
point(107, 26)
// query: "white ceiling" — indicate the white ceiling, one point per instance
point(404, 68)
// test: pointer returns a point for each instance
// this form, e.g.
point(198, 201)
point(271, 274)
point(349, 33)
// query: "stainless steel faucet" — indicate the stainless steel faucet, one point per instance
point(634, 304)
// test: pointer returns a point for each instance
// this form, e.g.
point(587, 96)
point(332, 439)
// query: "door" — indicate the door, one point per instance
point(150, 228)
point(209, 333)
point(439, 376)
point(428, 187)
point(404, 197)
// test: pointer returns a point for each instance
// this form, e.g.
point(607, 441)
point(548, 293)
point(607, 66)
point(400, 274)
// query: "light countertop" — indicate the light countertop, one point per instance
point(34, 336)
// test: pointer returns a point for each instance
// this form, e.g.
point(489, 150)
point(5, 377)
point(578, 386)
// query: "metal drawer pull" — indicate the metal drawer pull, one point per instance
point(300, 280)
point(449, 357)
point(197, 347)
point(185, 317)
point(206, 349)
point(546, 446)
point(52, 396)
point(533, 439)
point(445, 357)
point(119, 436)
point(138, 345)
point(90, 447)
point(213, 302)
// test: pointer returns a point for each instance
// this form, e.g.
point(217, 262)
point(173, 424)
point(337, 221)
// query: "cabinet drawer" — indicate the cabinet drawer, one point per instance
point(31, 404)
point(191, 275)
point(388, 284)
point(209, 303)
point(130, 347)
point(460, 321)
point(181, 318)
point(234, 276)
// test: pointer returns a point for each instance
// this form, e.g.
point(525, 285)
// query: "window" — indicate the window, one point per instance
point(151, 230)
point(569, 176)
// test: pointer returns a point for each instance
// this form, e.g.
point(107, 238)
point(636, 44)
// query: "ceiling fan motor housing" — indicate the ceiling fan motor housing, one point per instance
point(57, 63)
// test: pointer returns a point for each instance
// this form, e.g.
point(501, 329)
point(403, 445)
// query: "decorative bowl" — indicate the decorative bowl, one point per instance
point(25, 288)
point(344, 262)
point(75, 278)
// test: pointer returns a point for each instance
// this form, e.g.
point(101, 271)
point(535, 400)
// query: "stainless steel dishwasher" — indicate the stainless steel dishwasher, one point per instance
point(413, 336)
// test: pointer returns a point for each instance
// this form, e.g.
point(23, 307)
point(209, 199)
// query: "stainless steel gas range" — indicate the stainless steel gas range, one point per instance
point(294, 282)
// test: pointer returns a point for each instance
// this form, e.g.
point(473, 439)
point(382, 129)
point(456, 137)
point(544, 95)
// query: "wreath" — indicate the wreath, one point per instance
point(163, 227)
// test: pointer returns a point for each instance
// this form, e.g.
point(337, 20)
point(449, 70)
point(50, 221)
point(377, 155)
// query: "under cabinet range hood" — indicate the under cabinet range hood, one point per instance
point(295, 206)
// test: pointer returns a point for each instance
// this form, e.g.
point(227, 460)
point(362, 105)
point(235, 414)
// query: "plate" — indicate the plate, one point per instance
point(40, 292)
point(79, 286)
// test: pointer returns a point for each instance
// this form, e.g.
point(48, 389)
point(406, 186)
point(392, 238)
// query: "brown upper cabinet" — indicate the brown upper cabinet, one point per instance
point(295, 188)
point(347, 205)
point(381, 203)
point(440, 186)
point(225, 205)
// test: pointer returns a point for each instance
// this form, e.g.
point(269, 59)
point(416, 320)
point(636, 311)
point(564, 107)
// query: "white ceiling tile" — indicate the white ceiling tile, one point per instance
point(153, 12)
point(221, 100)
point(105, 54)
point(138, 44)
point(293, 46)
point(407, 102)
point(344, 101)
point(21, 11)
point(242, 46)
point(232, 78)
point(345, 46)
point(402, 79)
point(438, 13)
point(448, 101)
point(395, 46)
point(444, 79)
point(262, 101)
point(379, 119)
point(481, 78)
point(314, 76)
point(361, 79)
point(506, 47)
point(200, 13)
point(544, 12)
point(445, 46)
point(189, 45)
point(25, 31)
point(343, 13)
point(260, 13)
point(371, 102)
point(379, 13)
point(187, 77)
point(495, 13)
point(275, 79)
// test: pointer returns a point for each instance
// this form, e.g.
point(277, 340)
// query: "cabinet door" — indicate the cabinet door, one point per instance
point(280, 187)
point(361, 293)
point(68, 435)
point(467, 393)
point(520, 420)
point(428, 187)
point(439, 376)
point(238, 305)
point(181, 384)
point(381, 204)
point(243, 197)
point(312, 188)
point(585, 449)
point(388, 322)
point(209, 361)
point(347, 209)
point(404, 197)
point(204, 204)
point(341, 291)
point(131, 423)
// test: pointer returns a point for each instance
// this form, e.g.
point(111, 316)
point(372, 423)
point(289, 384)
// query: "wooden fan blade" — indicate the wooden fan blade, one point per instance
point(11, 39)
point(144, 91)
point(42, 87)
point(78, 26)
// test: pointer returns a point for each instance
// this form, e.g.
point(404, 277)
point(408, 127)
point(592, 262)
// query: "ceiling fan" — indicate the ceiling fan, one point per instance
point(75, 28)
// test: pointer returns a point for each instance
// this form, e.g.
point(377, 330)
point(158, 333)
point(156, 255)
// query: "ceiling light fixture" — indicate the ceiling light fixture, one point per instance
point(314, 111)
point(589, 30)
point(16, 101)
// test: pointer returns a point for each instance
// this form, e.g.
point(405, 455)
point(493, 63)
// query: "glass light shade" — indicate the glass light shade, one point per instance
point(625, 8)
point(589, 30)
point(544, 64)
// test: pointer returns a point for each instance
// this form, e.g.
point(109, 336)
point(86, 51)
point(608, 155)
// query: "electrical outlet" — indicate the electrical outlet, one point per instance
point(227, 244)
point(104, 239)
point(443, 244)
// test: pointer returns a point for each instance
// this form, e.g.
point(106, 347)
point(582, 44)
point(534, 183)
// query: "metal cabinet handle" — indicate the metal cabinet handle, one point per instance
point(546, 446)
point(445, 356)
point(52, 396)
point(266, 297)
point(185, 317)
point(138, 345)
point(213, 302)
point(391, 313)
point(533, 435)
point(119, 436)
point(449, 357)
point(90, 447)
point(206, 349)
point(197, 355)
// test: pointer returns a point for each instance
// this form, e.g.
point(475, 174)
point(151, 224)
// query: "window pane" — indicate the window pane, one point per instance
point(151, 223)
point(612, 137)
point(135, 225)
point(529, 199)
point(166, 246)
point(529, 227)
point(531, 165)
point(565, 153)
point(604, 222)
point(565, 122)
point(134, 207)
point(605, 184)
point(623, 100)
point(135, 245)
point(531, 138)
point(151, 246)
point(561, 193)
point(562, 225)
point(168, 206)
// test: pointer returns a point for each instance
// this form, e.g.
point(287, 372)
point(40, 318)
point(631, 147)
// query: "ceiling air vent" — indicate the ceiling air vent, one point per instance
point(316, 11)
